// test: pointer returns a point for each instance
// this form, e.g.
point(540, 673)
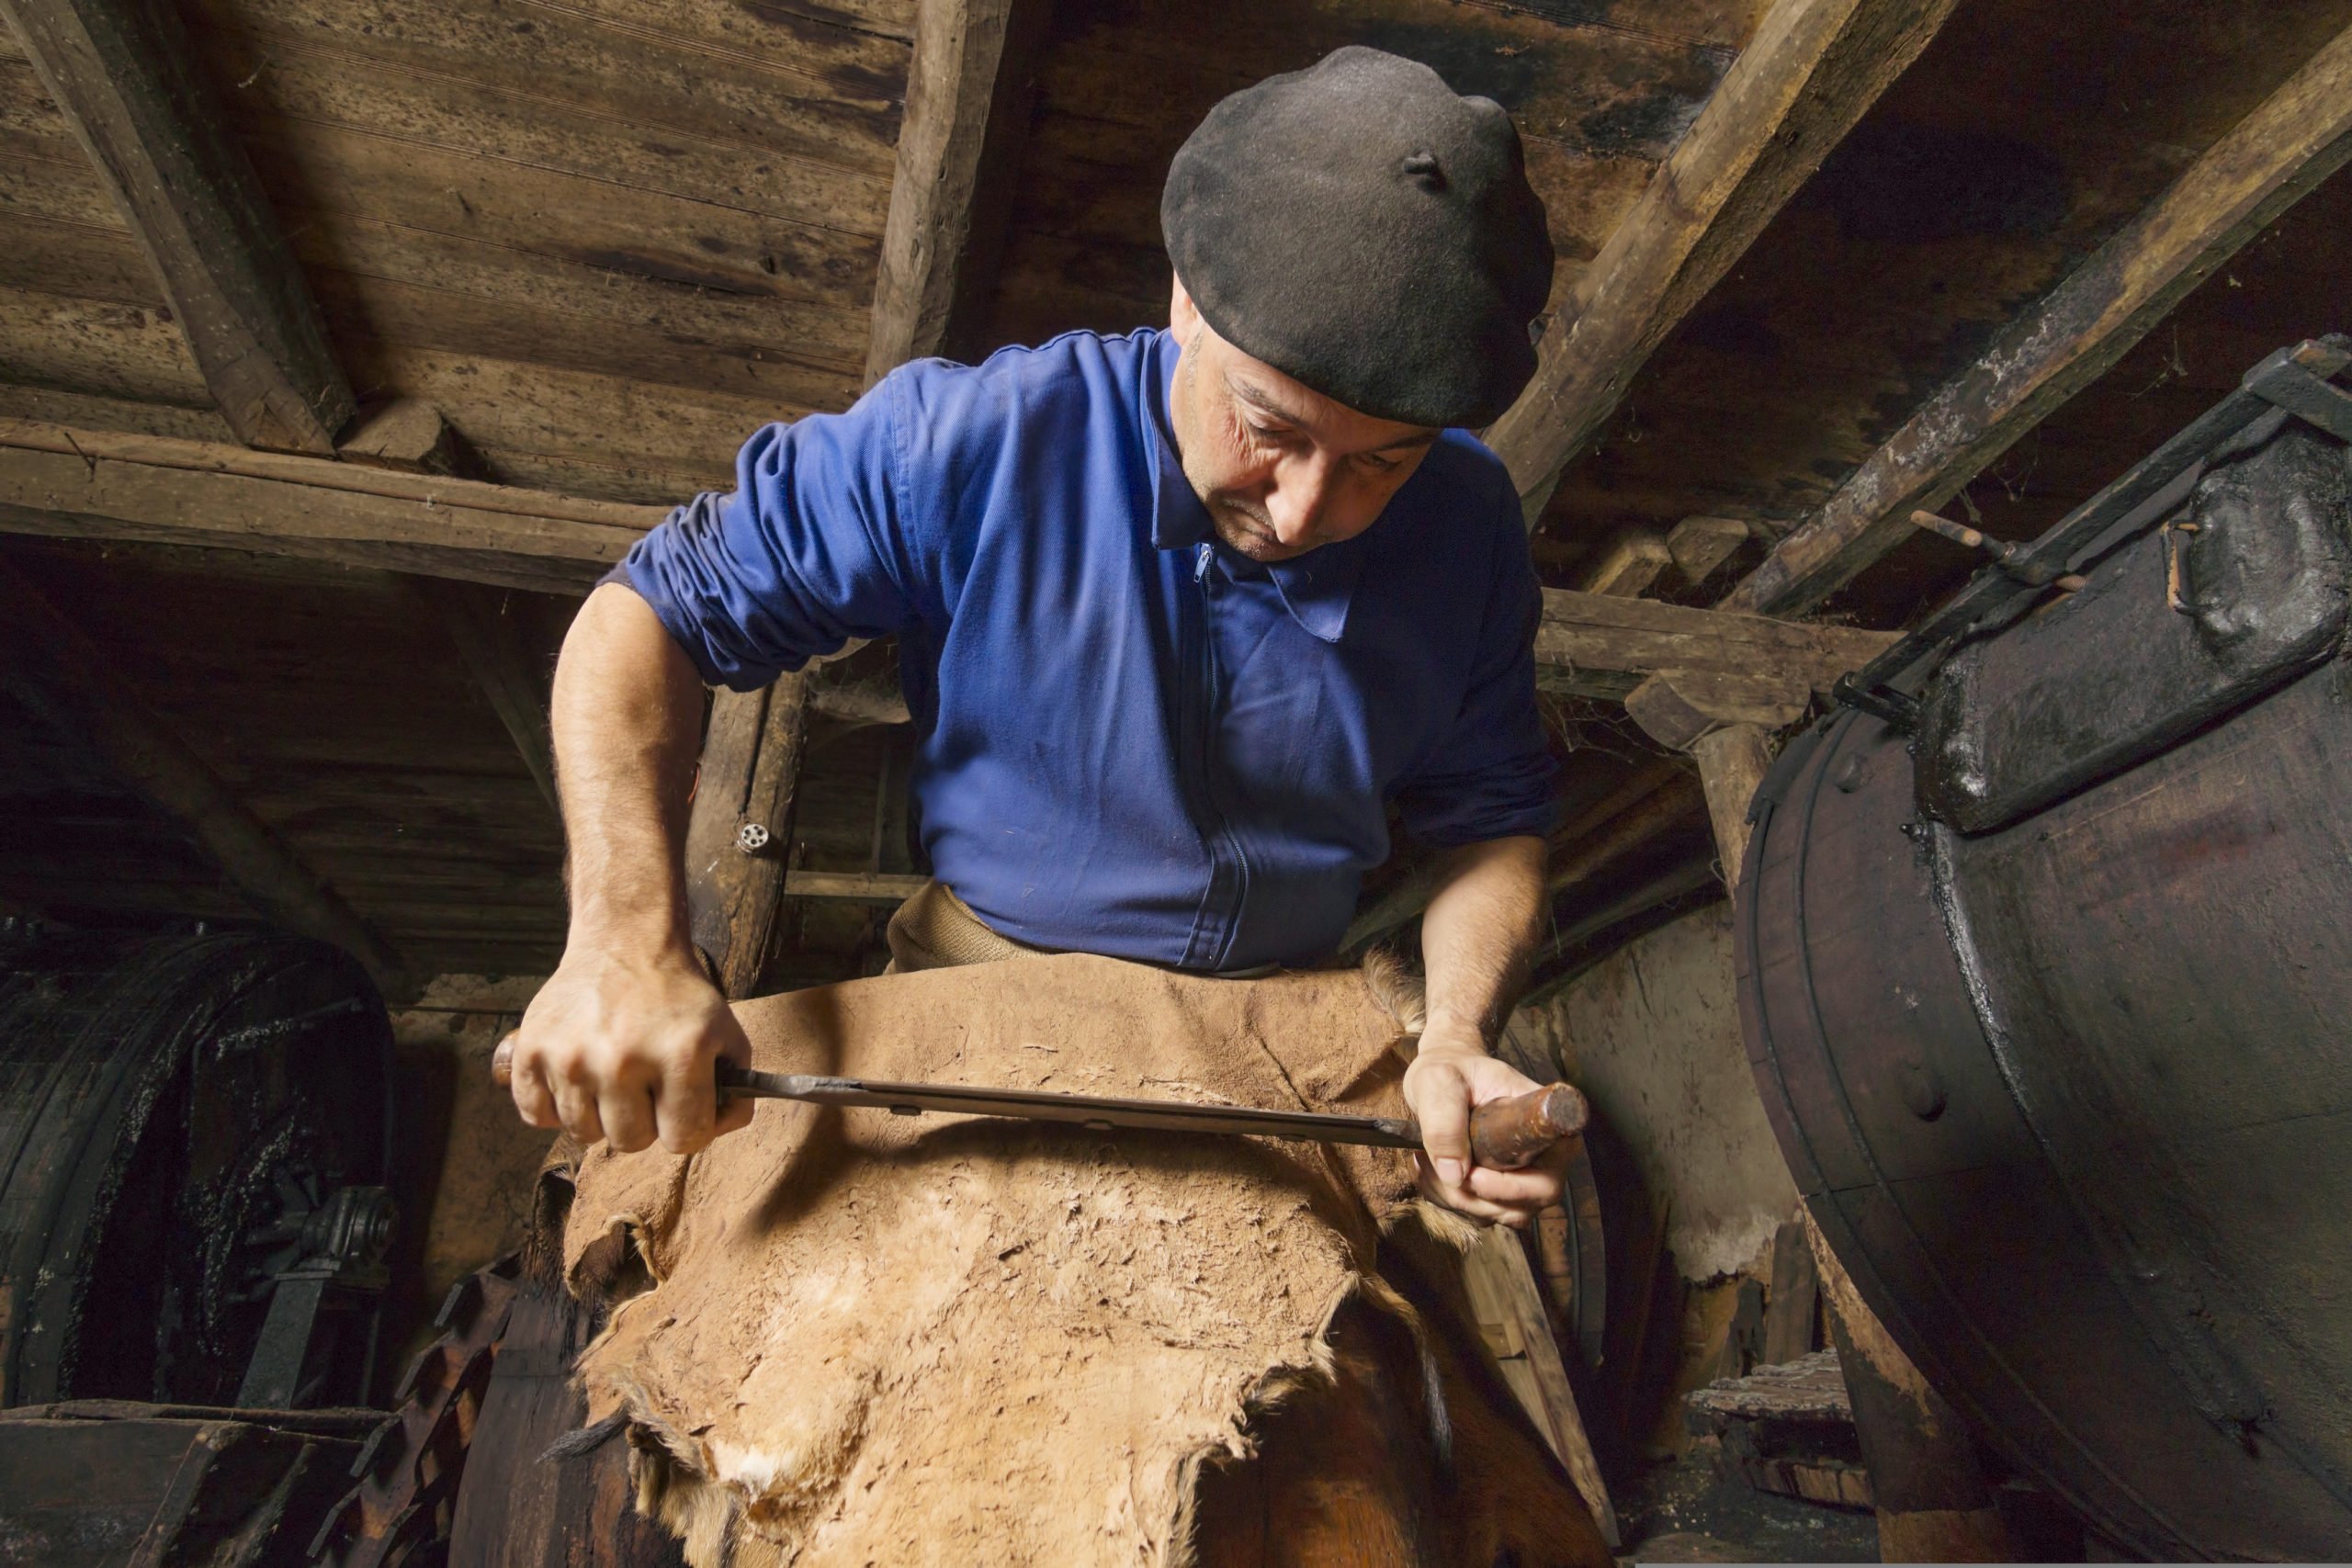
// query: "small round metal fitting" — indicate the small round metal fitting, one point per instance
point(751, 837)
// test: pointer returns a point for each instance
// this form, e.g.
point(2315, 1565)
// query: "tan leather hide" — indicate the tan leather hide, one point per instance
point(874, 1338)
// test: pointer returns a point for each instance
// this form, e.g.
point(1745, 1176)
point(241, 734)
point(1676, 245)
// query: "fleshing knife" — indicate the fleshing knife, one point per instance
point(1504, 1134)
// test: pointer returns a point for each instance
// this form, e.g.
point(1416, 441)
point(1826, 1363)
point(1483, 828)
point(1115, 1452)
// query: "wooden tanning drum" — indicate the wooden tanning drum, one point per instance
point(2045, 968)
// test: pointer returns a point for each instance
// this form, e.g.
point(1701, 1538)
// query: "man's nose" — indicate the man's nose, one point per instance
point(1301, 500)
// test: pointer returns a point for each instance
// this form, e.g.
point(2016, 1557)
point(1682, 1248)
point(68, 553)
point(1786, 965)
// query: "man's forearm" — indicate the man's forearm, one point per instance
point(627, 720)
point(1479, 934)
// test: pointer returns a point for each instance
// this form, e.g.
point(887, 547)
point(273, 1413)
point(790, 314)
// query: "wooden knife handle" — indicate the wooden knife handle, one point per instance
point(1508, 1133)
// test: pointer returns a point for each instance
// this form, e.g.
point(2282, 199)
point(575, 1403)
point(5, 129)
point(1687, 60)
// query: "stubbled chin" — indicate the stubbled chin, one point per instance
point(1243, 539)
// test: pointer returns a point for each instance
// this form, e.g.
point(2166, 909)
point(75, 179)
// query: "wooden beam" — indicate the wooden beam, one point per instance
point(70, 483)
point(124, 73)
point(1802, 81)
point(2295, 138)
point(970, 94)
point(1650, 801)
point(43, 645)
point(1731, 761)
point(884, 888)
point(1594, 645)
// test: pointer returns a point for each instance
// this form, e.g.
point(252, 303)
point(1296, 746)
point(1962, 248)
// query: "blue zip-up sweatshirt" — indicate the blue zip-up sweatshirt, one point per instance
point(1133, 740)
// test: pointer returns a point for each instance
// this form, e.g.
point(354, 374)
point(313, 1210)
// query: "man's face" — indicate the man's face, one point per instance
point(1281, 469)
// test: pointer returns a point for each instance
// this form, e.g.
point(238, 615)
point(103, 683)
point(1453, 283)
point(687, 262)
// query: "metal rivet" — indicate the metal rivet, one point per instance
point(751, 837)
point(1923, 1091)
point(1852, 768)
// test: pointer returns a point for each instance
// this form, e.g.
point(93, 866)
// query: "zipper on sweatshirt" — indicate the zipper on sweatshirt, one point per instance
point(1220, 918)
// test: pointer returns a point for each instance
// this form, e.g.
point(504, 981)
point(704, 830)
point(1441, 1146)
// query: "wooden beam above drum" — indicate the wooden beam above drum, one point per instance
point(125, 75)
point(1598, 645)
point(969, 93)
point(1812, 69)
point(2294, 140)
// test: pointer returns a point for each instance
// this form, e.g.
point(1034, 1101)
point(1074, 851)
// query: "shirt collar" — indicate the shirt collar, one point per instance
point(1317, 588)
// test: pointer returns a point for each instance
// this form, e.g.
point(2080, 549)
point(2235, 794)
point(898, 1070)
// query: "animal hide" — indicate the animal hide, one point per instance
point(845, 1336)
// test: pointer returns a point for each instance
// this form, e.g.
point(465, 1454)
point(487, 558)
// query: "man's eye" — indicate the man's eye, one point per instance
point(1376, 463)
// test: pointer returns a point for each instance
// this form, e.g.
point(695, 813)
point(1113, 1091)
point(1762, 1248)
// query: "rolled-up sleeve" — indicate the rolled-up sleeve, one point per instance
point(806, 553)
point(1492, 777)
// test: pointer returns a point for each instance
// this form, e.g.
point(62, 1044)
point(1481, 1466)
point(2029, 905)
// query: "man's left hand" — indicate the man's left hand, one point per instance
point(1451, 1074)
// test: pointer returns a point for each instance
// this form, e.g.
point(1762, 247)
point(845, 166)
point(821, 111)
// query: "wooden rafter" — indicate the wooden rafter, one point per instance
point(969, 94)
point(41, 643)
point(1807, 75)
point(74, 483)
point(125, 75)
point(2294, 140)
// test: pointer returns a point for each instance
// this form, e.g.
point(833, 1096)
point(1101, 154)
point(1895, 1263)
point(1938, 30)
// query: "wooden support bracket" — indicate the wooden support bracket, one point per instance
point(1635, 560)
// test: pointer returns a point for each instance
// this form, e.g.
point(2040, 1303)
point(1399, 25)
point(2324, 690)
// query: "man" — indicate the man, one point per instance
point(1179, 614)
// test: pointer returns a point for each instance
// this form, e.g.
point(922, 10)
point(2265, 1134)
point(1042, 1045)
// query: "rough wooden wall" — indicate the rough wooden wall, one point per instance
point(334, 705)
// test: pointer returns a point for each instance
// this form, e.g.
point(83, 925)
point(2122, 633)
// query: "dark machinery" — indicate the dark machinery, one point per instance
point(2046, 969)
point(193, 1141)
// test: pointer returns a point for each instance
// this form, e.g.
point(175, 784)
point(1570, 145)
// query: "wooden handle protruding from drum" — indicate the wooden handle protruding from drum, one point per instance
point(1508, 1133)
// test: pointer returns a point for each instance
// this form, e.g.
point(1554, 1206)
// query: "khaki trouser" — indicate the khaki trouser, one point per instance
point(936, 929)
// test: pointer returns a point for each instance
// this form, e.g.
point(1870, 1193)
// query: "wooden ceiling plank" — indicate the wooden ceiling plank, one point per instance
point(129, 352)
point(124, 73)
point(143, 749)
point(1807, 75)
point(833, 104)
point(2278, 154)
point(969, 93)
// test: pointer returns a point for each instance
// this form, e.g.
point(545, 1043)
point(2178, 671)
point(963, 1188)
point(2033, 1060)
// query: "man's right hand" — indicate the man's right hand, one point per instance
point(624, 1046)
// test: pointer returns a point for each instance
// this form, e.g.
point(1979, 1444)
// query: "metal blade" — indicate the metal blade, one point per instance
point(1084, 1110)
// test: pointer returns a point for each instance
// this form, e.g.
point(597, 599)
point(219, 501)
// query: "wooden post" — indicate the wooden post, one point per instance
point(1933, 1504)
point(124, 75)
point(739, 835)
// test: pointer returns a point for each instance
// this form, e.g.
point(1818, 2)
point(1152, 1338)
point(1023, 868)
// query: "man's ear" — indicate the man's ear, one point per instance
point(1184, 316)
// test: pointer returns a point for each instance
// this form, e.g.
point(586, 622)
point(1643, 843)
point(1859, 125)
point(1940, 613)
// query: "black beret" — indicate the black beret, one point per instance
point(1366, 230)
